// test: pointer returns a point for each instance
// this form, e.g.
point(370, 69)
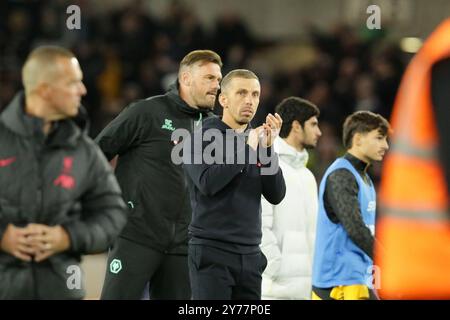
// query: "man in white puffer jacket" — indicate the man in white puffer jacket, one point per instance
point(289, 228)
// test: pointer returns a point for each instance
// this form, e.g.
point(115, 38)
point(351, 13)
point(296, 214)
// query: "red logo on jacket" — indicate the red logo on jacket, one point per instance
point(6, 162)
point(65, 180)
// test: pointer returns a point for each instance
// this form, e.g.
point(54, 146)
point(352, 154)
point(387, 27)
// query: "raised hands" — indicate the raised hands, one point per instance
point(272, 128)
point(266, 133)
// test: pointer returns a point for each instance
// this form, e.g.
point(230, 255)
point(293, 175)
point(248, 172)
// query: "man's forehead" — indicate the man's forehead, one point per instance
point(68, 68)
point(206, 67)
point(313, 120)
point(74, 62)
point(64, 63)
point(377, 131)
point(244, 83)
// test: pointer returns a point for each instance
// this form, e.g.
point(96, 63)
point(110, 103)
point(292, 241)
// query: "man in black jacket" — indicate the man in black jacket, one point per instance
point(59, 198)
point(153, 246)
point(225, 261)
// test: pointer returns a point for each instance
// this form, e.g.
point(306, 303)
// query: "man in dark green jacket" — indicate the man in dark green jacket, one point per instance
point(59, 198)
point(153, 246)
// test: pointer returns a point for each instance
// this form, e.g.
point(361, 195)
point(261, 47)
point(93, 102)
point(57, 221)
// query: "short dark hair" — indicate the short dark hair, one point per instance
point(363, 122)
point(200, 56)
point(295, 108)
point(237, 73)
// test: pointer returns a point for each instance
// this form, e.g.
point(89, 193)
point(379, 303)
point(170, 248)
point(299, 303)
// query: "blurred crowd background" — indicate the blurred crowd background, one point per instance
point(129, 51)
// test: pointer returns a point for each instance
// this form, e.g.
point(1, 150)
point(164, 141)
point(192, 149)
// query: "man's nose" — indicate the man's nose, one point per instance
point(83, 89)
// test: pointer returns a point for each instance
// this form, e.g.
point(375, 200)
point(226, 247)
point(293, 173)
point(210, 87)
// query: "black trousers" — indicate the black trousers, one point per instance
point(217, 274)
point(131, 265)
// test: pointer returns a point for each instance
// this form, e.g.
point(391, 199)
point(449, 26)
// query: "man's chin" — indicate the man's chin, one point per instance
point(376, 159)
point(241, 122)
point(207, 108)
point(72, 113)
point(207, 105)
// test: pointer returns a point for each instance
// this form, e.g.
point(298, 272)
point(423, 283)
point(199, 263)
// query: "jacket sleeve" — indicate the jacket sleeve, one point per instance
point(103, 213)
point(342, 194)
point(273, 185)
point(311, 227)
point(211, 178)
point(269, 243)
point(125, 131)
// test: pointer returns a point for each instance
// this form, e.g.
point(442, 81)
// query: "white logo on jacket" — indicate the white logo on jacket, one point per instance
point(372, 206)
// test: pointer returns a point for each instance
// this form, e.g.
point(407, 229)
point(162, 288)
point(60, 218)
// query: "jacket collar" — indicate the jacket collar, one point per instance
point(216, 123)
point(360, 165)
point(13, 116)
point(63, 132)
point(296, 159)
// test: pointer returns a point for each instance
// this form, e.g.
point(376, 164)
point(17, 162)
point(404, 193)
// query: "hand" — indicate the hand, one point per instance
point(254, 136)
point(16, 242)
point(47, 241)
point(272, 129)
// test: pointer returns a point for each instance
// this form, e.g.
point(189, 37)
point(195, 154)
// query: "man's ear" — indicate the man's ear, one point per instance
point(296, 126)
point(185, 78)
point(357, 139)
point(223, 100)
point(43, 90)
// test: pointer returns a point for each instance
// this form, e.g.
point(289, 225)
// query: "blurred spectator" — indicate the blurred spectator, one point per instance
point(130, 51)
point(231, 30)
point(365, 94)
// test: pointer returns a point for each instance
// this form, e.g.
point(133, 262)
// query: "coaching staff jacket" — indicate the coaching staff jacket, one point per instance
point(153, 185)
point(62, 179)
